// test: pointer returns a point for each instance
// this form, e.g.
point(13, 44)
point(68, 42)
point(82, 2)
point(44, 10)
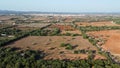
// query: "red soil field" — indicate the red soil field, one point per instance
point(113, 40)
point(106, 23)
point(63, 27)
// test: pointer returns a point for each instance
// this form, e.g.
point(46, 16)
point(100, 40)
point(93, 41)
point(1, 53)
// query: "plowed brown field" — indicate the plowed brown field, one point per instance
point(113, 40)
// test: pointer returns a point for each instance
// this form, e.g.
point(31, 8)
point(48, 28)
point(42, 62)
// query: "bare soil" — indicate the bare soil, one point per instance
point(113, 40)
point(63, 27)
point(51, 46)
point(106, 23)
point(73, 32)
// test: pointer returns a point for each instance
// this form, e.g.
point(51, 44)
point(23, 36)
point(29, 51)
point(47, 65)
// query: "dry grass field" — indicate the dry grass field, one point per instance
point(39, 25)
point(106, 23)
point(65, 29)
point(6, 17)
point(72, 32)
point(51, 46)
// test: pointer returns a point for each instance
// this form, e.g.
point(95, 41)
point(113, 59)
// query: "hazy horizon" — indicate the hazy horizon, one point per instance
point(61, 6)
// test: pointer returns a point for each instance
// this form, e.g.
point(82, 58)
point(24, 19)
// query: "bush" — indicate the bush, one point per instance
point(76, 52)
point(63, 45)
point(67, 45)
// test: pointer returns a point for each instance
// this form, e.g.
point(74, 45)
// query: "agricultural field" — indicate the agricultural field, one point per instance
point(10, 33)
point(6, 17)
point(72, 32)
point(37, 25)
point(51, 41)
point(31, 26)
point(65, 28)
point(112, 40)
point(105, 23)
point(51, 46)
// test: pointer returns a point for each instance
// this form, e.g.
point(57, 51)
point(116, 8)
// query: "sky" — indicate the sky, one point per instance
point(61, 5)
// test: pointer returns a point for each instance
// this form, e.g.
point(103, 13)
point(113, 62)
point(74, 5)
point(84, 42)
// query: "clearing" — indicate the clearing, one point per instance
point(50, 45)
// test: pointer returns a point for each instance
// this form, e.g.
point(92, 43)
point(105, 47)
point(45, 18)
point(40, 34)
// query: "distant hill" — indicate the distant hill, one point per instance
point(33, 12)
point(6, 12)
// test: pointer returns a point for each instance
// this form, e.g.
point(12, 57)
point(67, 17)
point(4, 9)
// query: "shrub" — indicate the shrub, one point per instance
point(67, 45)
point(63, 45)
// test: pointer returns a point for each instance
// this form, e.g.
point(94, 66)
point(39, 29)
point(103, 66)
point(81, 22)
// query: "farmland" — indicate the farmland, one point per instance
point(63, 27)
point(51, 46)
point(103, 23)
point(63, 41)
point(112, 40)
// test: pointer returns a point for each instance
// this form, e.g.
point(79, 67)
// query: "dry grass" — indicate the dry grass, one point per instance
point(106, 23)
point(51, 46)
point(73, 32)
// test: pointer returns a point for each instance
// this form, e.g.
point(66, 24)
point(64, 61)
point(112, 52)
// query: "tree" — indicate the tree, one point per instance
point(18, 65)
